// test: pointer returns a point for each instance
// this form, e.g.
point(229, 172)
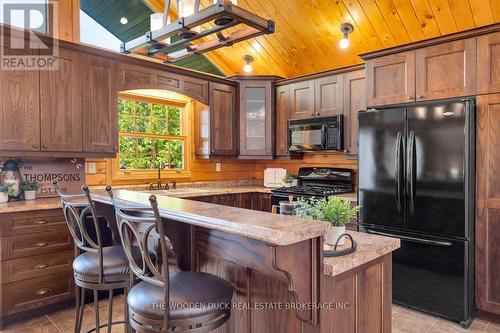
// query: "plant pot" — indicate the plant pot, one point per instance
point(4, 197)
point(333, 234)
point(29, 195)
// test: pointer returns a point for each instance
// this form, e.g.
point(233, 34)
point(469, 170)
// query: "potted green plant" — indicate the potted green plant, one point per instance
point(333, 209)
point(290, 179)
point(5, 190)
point(29, 189)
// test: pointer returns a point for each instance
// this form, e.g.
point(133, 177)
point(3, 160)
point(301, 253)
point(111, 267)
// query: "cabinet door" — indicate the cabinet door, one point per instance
point(222, 119)
point(328, 95)
point(201, 129)
point(61, 105)
point(302, 100)
point(354, 101)
point(256, 118)
point(488, 63)
point(19, 110)
point(282, 116)
point(100, 116)
point(391, 79)
point(446, 70)
point(488, 204)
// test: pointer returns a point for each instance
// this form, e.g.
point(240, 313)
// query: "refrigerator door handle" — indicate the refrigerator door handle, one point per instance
point(397, 170)
point(411, 239)
point(411, 170)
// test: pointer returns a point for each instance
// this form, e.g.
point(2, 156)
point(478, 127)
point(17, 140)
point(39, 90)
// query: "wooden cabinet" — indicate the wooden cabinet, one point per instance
point(36, 259)
point(487, 227)
point(256, 119)
point(446, 70)
point(61, 105)
point(100, 116)
point(354, 101)
point(282, 117)
point(223, 125)
point(19, 110)
point(488, 63)
point(201, 129)
point(391, 79)
point(302, 100)
point(328, 96)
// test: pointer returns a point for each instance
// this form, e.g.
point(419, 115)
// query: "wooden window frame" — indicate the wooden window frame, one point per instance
point(147, 176)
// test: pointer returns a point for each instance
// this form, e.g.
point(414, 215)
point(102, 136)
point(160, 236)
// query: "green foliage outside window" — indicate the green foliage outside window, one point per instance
point(148, 134)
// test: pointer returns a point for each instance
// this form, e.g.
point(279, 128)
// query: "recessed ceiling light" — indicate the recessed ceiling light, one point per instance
point(124, 20)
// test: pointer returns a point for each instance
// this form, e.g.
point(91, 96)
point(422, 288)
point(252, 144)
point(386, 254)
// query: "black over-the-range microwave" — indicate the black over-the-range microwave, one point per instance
point(324, 133)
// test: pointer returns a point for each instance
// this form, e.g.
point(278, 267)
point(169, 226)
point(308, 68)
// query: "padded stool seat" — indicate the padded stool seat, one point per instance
point(192, 294)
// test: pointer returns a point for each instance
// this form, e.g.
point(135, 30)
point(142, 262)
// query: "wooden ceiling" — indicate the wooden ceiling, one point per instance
point(308, 31)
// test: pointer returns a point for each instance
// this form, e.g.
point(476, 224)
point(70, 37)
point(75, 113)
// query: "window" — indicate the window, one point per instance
point(95, 34)
point(152, 134)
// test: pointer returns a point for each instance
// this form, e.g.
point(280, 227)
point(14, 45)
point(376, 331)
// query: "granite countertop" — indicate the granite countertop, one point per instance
point(270, 228)
point(370, 247)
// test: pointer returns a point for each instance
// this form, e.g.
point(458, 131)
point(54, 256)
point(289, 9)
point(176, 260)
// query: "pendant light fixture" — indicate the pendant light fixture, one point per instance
point(248, 68)
point(346, 29)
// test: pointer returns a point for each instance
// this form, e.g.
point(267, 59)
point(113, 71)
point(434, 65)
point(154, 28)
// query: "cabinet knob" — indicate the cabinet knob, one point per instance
point(41, 244)
point(420, 96)
point(34, 146)
point(410, 97)
point(45, 146)
point(43, 291)
point(115, 149)
point(41, 222)
point(41, 266)
point(312, 114)
point(317, 113)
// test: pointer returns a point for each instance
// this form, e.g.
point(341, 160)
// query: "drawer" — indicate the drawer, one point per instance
point(32, 222)
point(34, 293)
point(21, 246)
point(47, 264)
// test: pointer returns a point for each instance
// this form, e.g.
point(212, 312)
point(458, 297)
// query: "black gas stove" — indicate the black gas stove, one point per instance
point(317, 183)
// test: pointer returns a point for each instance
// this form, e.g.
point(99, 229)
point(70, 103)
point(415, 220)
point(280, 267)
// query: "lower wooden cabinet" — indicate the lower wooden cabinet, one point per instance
point(36, 257)
point(487, 229)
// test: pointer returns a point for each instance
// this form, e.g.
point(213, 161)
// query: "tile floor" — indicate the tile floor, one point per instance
point(403, 321)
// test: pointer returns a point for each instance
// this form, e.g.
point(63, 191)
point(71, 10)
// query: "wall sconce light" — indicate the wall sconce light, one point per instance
point(346, 29)
point(248, 63)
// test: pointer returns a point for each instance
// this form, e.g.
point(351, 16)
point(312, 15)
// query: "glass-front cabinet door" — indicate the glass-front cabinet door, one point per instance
point(256, 119)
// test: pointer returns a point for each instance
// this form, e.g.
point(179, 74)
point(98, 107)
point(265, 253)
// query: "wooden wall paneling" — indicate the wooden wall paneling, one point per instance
point(328, 96)
point(354, 101)
point(100, 117)
point(20, 109)
point(391, 79)
point(223, 126)
point(488, 63)
point(487, 248)
point(282, 117)
point(61, 104)
point(302, 100)
point(446, 70)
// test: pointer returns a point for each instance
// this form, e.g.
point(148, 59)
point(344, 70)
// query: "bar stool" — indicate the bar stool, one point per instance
point(96, 268)
point(167, 301)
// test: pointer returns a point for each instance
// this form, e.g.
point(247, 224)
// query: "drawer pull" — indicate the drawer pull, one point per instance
point(41, 266)
point(43, 291)
point(42, 222)
point(42, 244)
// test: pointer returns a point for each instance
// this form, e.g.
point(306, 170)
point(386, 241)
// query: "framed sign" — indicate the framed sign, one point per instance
point(69, 173)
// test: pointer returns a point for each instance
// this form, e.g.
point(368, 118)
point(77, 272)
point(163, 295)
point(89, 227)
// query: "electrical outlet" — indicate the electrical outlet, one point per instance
point(217, 167)
point(91, 167)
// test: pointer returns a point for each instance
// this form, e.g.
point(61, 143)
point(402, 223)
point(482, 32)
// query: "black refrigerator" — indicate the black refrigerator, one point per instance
point(416, 183)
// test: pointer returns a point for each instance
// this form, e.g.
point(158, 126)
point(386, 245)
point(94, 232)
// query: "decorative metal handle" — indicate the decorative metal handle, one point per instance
point(41, 266)
point(41, 222)
point(317, 113)
point(420, 96)
point(410, 97)
point(42, 244)
point(45, 146)
point(43, 291)
point(397, 170)
point(312, 114)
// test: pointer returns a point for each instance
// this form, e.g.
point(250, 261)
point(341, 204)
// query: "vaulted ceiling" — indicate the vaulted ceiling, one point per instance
point(308, 31)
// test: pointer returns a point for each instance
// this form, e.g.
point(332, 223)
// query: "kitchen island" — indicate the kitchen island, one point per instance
point(275, 262)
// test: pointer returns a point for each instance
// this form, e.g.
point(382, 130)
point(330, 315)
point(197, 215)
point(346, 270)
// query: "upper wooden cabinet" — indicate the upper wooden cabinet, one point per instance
point(446, 70)
point(223, 125)
point(282, 117)
point(328, 95)
point(256, 118)
point(100, 119)
point(302, 100)
point(354, 101)
point(61, 105)
point(488, 63)
point(391, 79)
